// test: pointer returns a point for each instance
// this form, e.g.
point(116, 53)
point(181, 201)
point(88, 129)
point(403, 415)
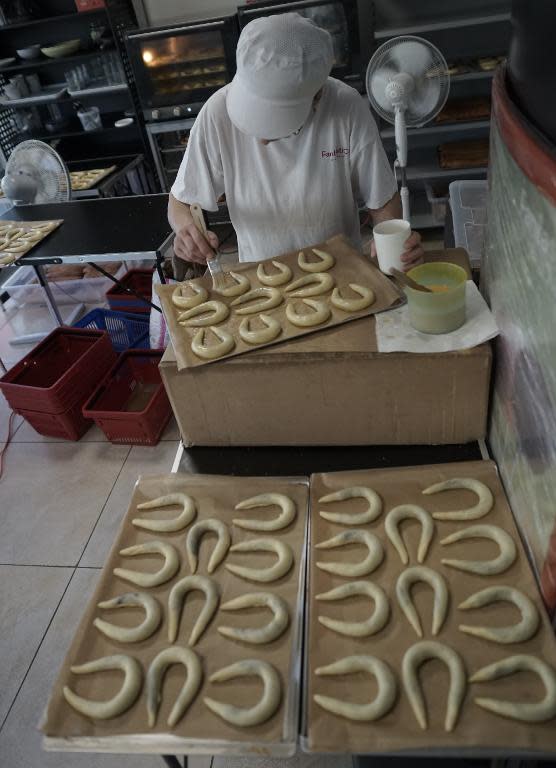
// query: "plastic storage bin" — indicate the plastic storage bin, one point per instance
point(468, 200)
point(127, 331)
point(89, 290)
point(131, 404)
point(438, 197)
point(139, 280)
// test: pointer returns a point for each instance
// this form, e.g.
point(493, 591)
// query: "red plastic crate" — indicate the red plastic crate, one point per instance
point(60, 372)
point(70, 425)
point(131, 404)
point(140, 280)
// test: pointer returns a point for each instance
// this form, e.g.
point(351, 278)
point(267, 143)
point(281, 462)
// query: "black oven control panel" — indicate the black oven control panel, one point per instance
point(177, 112)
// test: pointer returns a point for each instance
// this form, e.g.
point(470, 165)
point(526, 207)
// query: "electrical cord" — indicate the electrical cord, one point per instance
point(8, 441)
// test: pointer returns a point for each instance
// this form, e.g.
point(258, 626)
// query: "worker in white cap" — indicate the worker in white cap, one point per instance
point(295, 151)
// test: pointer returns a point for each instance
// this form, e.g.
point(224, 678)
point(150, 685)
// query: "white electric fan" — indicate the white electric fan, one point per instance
point(35, 173)
point(407, 84)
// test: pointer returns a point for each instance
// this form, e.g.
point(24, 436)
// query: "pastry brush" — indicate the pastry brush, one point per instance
point(214, 264)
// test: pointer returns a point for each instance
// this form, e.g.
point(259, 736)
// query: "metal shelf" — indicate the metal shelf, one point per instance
point(45, 19)
point(466, 76)
point(105, 90)
point(436, 26)
point(417, 172)
point(388, 133)
point(38, 63)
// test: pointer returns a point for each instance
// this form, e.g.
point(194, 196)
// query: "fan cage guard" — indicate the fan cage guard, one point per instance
point(23, 150)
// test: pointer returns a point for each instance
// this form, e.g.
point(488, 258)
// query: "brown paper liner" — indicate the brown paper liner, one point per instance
point(26, 226)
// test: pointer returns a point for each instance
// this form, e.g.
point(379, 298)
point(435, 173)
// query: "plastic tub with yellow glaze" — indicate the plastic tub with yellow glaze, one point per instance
point(443, 310)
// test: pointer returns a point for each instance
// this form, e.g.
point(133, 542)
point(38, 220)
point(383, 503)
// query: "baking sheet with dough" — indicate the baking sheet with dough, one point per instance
point(350, 267)
point(81, 180)
point(22, 236)
point(477, 731)
point(199, 731)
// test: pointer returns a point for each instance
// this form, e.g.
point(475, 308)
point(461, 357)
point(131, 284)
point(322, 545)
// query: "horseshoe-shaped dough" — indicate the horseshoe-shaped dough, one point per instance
point(326, 261)
point(192, 318)
point(317, 283)
point(286, 516)
point(200, 295)
point(186, 516)
point(169, 569)
point(211, 352)
point(412, 660)
point(261, 635)
point(320, 314)
point(481, 508)
point(368, 565)
point(240, 285)
point(370, 626)
point(283, 276)
point(271, 297)
point(505, 559)
point(196, 532)
point(155, 676)
point(356, 518)
point(269, 332)
point(266, 707)
point(266, 575)
point(516, 633)
point(122, 701)
point(374, 710)
point(436, 581)
point(392, 523)
point(175, 605)
point(528, 712)
point(148, 626)
point(367, 297)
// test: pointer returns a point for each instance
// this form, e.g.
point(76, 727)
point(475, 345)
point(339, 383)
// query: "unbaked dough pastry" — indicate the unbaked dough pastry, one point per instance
point(283, 275)
point(526, 711)
point(366, 298)
point(373, 510)
point(239, 286)
point(351, 569)
point(314, 284)
point(524, 630)
point(259, 635)
point(266, 706)
point(325, 262)
point(193, 541)
point(172, 524)
point(271, 329)
point(481, 508)
point(149, 625)
point(118, 704)
point(165, 573)
point(286, 516)
point(175, 605)
point(155, 676)
point(375, 709)
point(436, 581)
point(370, 626)
point(207, 313)
point(211, 351)
point(505, 559)
point(268, 299)
point(319, 315)
point(199, 295)
point(412, 660)
point(392, 526)
point(276, 571)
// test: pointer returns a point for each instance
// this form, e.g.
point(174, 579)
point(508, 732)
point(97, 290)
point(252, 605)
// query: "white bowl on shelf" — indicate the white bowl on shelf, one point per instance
point(30, 52)
point(61, 49)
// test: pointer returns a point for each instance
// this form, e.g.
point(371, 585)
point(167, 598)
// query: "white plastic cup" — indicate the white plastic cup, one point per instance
point(390, 237)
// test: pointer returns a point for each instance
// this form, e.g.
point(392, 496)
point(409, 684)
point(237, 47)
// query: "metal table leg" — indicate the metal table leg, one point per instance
point(171, 761)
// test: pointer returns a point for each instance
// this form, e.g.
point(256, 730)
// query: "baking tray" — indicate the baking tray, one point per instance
point(81, 180)
point(477, 732)
point(17, 246)
point(350, 267)
point(200, 731)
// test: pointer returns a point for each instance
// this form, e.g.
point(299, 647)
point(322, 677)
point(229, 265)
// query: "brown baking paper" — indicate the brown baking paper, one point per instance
point(477, 730)
point(350, 267)
point(13, 247)
point(81, 180)
point(199, 730)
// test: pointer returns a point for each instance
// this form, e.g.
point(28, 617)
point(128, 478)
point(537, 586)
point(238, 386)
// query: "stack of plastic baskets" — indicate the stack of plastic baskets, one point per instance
point(126, 330)
point(140, 280)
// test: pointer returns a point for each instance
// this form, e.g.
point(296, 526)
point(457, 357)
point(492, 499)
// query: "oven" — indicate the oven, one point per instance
point(176, 68)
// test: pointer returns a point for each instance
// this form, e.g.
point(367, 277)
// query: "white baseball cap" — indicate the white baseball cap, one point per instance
point(282, 62)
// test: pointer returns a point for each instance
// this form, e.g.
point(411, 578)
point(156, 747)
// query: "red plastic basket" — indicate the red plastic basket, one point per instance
point(131, 404)
point(70, 425)
point(140, 280)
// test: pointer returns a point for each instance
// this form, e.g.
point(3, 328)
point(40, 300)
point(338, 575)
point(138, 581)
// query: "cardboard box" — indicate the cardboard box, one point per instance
point(334, 388)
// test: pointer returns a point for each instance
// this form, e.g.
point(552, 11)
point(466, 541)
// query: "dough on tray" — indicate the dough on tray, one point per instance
point(259, 635)
point(326, 261)
point(268, 299)
point(366, 628)
point(287, 512)
point(266, 575)
point(436, 581)
point(505, 559)
point(524, 630)
point(118, 704)
point(205, 314)
point(366, 298)
point(149, 625)
point(193, 542)
point(239, 286)
point(172, 524)
point(175, 605)
point(353, 569)
point(373, 510)
point(481, 508)
point(212, 351)
point(155, 677)
point(165, 573)
point(266, 706)
point(319, 315)
point(271, 330)
point(281, 277)
point(197, 296)
point(392, 526)
point(314, 284)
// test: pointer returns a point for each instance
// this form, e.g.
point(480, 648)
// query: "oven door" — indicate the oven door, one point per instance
point(184, 64)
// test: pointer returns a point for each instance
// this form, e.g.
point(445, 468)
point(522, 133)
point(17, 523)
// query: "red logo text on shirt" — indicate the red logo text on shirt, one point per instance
point(338, 152)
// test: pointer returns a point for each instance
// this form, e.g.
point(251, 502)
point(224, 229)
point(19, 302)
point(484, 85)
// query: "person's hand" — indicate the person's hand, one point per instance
point(413, 254)
point(190, 244)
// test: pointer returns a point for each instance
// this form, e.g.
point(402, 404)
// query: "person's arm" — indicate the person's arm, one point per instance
point(414, 253)
point(189, 243)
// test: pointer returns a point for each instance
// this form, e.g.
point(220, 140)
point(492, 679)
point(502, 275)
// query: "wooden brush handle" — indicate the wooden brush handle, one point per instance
point(198, 218)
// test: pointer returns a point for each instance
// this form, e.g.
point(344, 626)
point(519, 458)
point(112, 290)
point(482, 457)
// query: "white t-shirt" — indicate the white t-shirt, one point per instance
point(295, 191)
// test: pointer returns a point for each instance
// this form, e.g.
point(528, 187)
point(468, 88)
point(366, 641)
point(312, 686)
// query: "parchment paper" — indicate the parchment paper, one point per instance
point(350, 267)
point(199, 730)
point(14, 247)
point(81, 180)
point(477, 730)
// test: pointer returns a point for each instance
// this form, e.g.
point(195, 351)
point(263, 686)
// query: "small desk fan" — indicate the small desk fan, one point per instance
point(407, 84)
point(35, 173)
